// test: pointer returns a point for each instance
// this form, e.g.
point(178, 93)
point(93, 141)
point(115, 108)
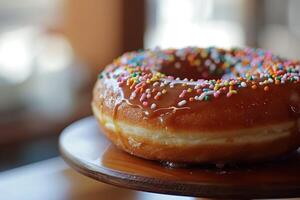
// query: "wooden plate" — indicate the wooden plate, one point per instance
point(84, 147)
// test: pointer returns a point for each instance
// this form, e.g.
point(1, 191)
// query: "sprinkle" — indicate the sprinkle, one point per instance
point(157, 96)
point(243, 84)
point(266, 88)
point(153, 106)
point(182, 94)
point(228, 94)
point(216, 94)
point(236, 68)
point(133, 95)
point(254, 87)
point(143, 97)
point(197, 87)
point(182, 103)
point(145, 103)
point(155, 84)
point(100, 76)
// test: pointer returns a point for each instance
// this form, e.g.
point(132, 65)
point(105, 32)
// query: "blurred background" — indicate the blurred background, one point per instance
point(52, 50)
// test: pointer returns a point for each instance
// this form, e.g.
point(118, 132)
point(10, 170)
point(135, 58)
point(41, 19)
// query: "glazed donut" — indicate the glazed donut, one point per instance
point(200, 105)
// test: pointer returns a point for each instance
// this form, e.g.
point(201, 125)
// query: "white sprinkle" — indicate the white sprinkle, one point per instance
point(132, 96)
point(148, 95)
point(197, 87)
point(270, 80)
point(243, 84)
point(201, 97)
point(181, 103)
point(155, 84)
point(153, 106)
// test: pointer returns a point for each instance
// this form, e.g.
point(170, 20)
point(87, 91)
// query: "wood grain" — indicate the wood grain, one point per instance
point(89, 152)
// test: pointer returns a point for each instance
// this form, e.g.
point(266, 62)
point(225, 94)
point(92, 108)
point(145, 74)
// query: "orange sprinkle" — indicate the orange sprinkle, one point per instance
point(253, 86)
point(266, 88)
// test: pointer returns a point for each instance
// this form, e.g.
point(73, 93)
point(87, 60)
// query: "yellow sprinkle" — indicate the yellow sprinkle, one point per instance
point(189, 90)
point(204, 54)
point(197, 62)
point(190, 58)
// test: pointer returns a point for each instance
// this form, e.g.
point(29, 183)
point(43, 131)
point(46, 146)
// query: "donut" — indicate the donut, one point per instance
point(200, 105)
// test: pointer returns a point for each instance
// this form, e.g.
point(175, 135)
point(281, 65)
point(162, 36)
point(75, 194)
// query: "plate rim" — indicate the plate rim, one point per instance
point(114, 177)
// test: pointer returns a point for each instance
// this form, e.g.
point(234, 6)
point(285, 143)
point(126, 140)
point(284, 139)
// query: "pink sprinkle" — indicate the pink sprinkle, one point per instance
point(143, 97)
point(182, 94)
point(216, 94)
point(145, 103)
point(228, 94)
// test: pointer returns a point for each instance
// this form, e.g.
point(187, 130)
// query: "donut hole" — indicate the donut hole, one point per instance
point(184, 69)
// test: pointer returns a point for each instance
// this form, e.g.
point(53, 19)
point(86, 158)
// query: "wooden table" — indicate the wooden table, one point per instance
point(54, 180)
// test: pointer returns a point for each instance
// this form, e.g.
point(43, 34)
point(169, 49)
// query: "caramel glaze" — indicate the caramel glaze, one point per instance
point(249, 108)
